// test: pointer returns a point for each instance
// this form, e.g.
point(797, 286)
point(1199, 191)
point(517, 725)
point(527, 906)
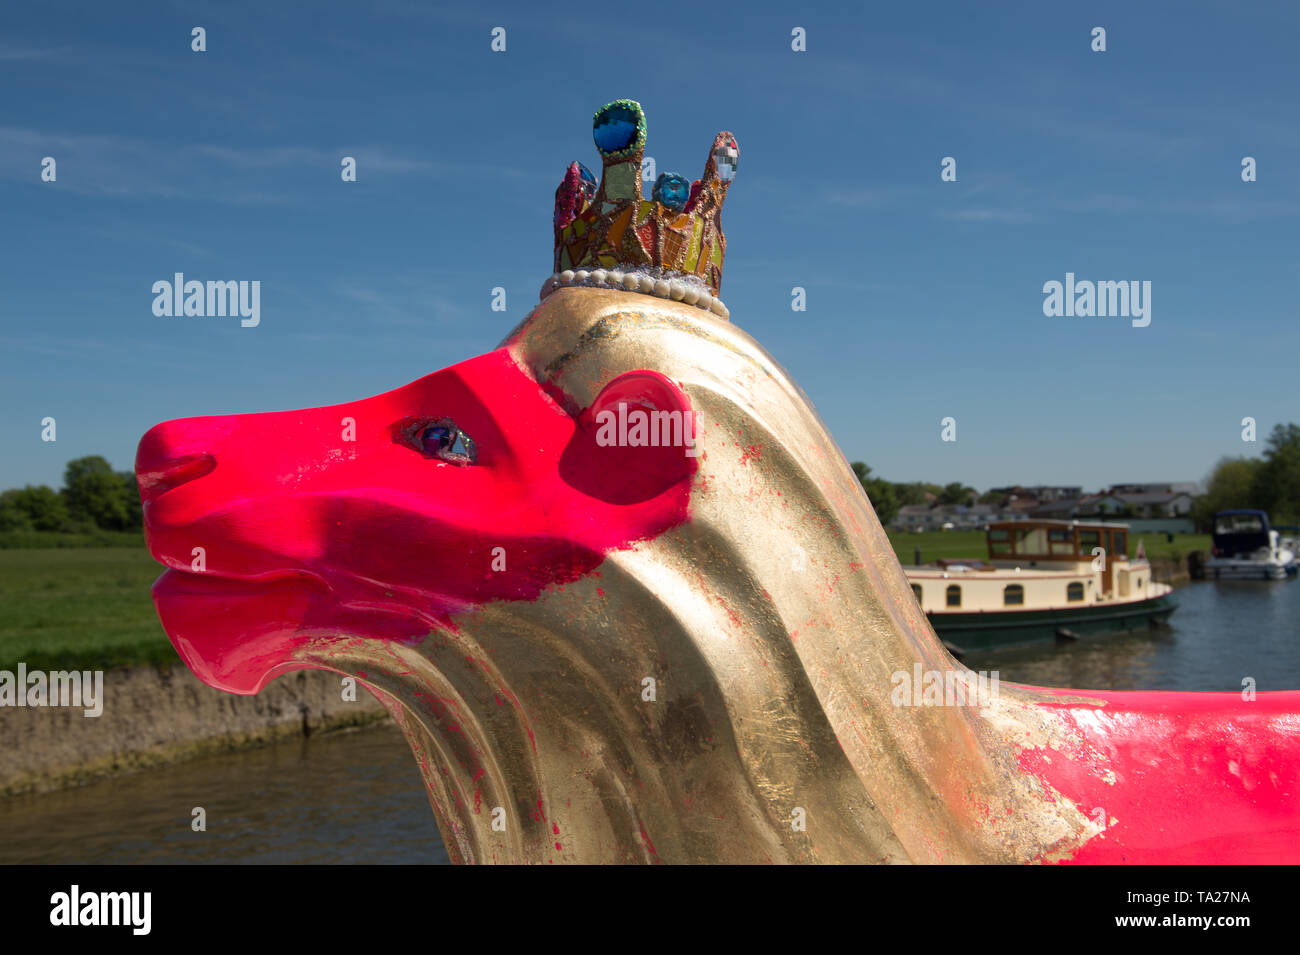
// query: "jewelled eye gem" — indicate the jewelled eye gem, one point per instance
point(619, 128)
point(726, 159)
point(439, 438)
point(671, 191)
point(436, 440)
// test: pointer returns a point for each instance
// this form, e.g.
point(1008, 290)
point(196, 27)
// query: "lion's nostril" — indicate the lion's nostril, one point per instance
point(178, 451)
point(159, 478)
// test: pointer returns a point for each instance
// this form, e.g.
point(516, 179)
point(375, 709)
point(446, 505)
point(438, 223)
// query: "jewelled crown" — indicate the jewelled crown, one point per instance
point(608, 236)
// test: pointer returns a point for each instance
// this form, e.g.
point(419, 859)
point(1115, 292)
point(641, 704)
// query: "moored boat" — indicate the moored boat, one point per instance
point(1042, 581)
point(1246, 548)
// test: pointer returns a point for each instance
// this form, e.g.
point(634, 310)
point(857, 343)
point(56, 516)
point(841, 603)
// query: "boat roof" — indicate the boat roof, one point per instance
point(1049, 523)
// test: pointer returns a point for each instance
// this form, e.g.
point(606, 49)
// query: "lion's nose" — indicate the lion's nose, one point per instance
point(178, 451)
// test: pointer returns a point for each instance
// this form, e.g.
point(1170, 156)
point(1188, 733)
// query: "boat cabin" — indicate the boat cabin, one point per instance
point(1033, 541)
point(1037, 565)
point(1240, 533)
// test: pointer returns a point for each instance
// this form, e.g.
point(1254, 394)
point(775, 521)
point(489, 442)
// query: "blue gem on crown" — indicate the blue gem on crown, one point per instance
point(671, 191)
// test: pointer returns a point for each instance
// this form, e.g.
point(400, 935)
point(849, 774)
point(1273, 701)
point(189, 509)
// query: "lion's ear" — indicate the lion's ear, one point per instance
point(636, 440)
point(645, 390)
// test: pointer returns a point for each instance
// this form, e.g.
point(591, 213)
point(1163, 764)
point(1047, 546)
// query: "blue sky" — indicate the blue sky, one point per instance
point(924, 297)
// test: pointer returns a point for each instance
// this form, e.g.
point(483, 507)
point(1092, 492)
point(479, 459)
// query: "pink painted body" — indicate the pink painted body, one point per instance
point(1226, 788)
point(307, 535)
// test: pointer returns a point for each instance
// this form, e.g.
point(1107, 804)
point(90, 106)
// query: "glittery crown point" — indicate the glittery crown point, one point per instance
point(674, 236)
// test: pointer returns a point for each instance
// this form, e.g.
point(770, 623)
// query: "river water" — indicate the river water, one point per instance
point(356, 796)
point(344, 797)
point(1221, 633)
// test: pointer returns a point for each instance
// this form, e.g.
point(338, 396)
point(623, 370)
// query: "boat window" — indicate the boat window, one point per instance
point(1013, 595)
point(1121, 544)
point(1239, 534)
point(1238, 523)
point(1074, 592)
point(954, 595)
point(999, 542)
point(916, 592)
point(1087, 541)
point(1061, 540)
point(1032, 540)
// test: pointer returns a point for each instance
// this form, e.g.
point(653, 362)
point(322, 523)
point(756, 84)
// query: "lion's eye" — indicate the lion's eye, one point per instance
point(440, 438)
point(437, 439)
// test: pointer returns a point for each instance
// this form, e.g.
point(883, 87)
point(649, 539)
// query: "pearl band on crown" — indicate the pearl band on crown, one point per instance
point(688, 291)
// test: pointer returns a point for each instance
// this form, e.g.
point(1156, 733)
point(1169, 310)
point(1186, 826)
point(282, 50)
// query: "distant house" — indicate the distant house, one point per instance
point(1051, 494)
point(1175, 504)
point(1158, 487)
point(1160, 501)
point(1042, 493)
point(1101, 504)
point(1141, 500)
point(1020, 507)
point(1058, 510)
point(915, 517)
point(919, 517)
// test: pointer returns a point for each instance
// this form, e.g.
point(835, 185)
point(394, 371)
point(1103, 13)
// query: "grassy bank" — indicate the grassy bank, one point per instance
point(83, 608)
point(42, 540)
point(936, 545)
point(89, 608)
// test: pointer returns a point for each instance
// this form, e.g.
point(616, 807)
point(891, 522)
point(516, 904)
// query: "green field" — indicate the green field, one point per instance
point(89, 607)
point(41, 540)
point(940, 544)
point(83, 608)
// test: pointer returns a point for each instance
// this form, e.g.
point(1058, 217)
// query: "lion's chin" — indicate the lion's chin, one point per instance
point(238, 635)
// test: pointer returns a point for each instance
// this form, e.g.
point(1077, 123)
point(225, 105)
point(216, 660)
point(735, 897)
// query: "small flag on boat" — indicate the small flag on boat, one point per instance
point(1142, 551)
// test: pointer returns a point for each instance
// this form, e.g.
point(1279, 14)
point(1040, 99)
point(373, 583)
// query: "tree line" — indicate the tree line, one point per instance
point(1269, 483)
point(93, 497)
point(887, 497)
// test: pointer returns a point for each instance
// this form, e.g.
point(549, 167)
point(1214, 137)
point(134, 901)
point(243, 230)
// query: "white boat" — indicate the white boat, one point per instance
point(1246, 548)
point(1043, 580)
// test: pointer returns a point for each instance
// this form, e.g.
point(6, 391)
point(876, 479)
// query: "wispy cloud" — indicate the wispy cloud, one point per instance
point(871, 197)
point(369, 159)
point(122, 232)
point(403, 302)
point(1008, 201)
point(31, 53)
point(988, 215)
point(122, 166)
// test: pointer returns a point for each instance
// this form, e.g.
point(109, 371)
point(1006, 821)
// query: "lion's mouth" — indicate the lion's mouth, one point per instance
point(238, 633)
point(180, 577)
point(235, 633)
